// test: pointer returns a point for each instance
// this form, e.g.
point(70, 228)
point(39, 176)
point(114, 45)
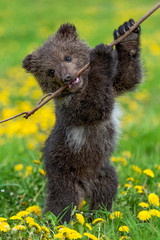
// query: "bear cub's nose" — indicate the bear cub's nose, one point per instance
point(67, 78)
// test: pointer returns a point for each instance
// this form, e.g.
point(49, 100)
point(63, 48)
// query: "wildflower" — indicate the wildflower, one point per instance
point(130, 179)
point(128, 185)
point(45, 229)
point(123, 238)
point(29, 170)
point(91, 236)
point(42, 172)
point(81, 205)
point(37, 162)
point(98, 220)
point(35, 209)
point(114, 159)
point(22, 213)
point(144, 215)
point(154, 212)
point(18, 227)
point(70, 233)
point(124, 229)
point(59, 227)
point(2, 219)
point(139, 188)
point(18, 167)
point(124, 192)
point(153, 199)
point(88, 226)
point(158, 184)
point(80, 218)
point(4, 227)
point(137, 169)
point(59, 235)
point(116, 214)
point(144, 205)
point(148, 172)
point(30, 221)
point(122, 160)
point(15, 217)
point(127, 154)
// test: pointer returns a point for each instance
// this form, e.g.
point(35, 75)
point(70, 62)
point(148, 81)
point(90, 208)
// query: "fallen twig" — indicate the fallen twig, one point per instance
point(52, 95)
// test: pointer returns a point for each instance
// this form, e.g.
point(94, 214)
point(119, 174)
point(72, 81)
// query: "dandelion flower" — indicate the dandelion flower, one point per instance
point(144, 215)
point(124, 229)
point(59, 235)
point(90, 236)
point(81, 205)
point(18, 167)
point(4, 227)
point(98, 220)
point(29, 170)
point(80, 218)
point(35, 209)
point(127, 154)
point(15, 217)
point(158, 184)
point(37, 162)
point(30, 221)
point(137, 169)
point(88, 226)
point(130, 179)
point(22, 213)
point(42, 172)
point(149, 172)
point(144, 205)
point(123, 238)
point(45, 229)
point(127, 185)
point(153, 199)
point(139, 188)
point(2, 219)
point(70, 233)
point(116, 214)
point(154, 212)
point(18, 227)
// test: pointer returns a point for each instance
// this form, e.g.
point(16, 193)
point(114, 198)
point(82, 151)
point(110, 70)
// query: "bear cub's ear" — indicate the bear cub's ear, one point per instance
point(27, 63)
point(67, 30)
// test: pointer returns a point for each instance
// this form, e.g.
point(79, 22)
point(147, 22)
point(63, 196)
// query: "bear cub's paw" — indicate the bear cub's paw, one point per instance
point(134, 36)
point(100, 55)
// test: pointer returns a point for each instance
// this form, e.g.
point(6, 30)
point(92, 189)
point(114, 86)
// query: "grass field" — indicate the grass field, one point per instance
point(24, 25)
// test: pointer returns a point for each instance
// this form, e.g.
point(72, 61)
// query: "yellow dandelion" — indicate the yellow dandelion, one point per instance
point(29, 220)
point(42, 172)
point(35, 209)
point(137, 169)
point(80, 218)
point(114, 159)
point(90, 236)
point(4, 227)
point(116, 214)
point(127, 154)
point(88, 226)
point(59, 227)
point(98, 220)
point(123, 238)
point(15, 217)
point(139, 188)
point(158, 184)
point(18, 167)
point(153, 199)
point(18, 228)
point(45, 229)
point(124, 229)
point(37, 162)
point(127, 185)
point(83, 202)
point(155, 212)
point(70, 233)
point(58, 235)
point(130, 179)
point(149, 172)
point(29, 170)
point(124, 192)
point(144, 205)
point(2, 219)
point(158, 167)
point(23, 213)
point(144, 215)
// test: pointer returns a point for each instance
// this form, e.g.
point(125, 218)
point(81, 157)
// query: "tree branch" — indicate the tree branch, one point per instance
point(52, 95)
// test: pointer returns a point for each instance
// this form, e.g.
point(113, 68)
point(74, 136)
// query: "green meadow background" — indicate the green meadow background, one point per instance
point(24, 25)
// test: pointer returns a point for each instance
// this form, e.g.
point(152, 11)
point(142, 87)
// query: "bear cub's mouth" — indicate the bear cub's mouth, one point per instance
point(76, 81)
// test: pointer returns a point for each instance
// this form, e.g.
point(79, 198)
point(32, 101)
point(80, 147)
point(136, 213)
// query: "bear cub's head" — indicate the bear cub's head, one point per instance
point(59, 59)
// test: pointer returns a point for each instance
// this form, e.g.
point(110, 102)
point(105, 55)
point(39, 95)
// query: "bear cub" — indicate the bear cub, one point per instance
point(77, 152)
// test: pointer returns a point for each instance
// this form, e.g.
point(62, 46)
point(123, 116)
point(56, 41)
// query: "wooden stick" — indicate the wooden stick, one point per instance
point(41, 103)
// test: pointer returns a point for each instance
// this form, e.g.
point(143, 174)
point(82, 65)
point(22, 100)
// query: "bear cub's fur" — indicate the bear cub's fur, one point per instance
point(76, 154)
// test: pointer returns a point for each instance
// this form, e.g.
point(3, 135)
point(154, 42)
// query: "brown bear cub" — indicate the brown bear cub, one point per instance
point(77, 152)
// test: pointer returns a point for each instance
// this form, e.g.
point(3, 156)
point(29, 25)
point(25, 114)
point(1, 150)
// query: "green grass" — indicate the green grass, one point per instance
point(24, 25)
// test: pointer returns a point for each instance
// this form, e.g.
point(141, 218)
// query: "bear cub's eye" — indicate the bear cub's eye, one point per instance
point(67, 59)
point(51, 72)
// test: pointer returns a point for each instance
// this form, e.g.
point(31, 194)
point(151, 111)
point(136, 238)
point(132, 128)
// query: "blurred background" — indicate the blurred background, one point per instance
point(24, 25)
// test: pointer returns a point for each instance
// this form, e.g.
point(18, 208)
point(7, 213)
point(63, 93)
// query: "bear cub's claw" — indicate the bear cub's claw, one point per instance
point(124, 28)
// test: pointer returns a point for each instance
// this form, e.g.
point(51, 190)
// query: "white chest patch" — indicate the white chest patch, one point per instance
point(78, 136)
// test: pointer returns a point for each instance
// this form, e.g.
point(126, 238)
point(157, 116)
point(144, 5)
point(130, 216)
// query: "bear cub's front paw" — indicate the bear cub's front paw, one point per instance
point(134, 36)
point(100, 55)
